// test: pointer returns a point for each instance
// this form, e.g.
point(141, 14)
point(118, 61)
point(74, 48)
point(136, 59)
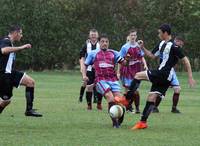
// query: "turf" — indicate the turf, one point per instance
point(67, 122)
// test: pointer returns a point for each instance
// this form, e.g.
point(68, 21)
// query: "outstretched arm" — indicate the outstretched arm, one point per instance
point(7, 50)
point(186, 63)
point(146, 52)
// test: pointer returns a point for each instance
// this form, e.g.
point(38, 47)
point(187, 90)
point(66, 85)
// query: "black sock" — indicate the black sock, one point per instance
point(95, 95)
point(133, 87)
point(137, 100)
point(29, 98)
point(82, 90)
point(89, 98)
point(158, 100)
point(147, 110)
point(175, 100)
point(99, 98)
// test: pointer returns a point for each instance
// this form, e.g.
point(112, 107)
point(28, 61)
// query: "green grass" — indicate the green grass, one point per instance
point(67, 122)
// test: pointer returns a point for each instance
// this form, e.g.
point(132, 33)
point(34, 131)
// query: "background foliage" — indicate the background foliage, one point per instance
point(57, 29)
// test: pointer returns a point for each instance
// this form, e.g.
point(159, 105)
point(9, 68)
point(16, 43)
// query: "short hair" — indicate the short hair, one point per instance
point(103, 36)
point(93, 30)
point(14, 28)
point(132, 30)
point(179, 37)
point(165, 28)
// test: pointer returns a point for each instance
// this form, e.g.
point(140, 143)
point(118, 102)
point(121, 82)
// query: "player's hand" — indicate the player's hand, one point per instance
point(26, 46)
point(85, 78)
point(145, 67)
point(141, 43)
point(191, 82)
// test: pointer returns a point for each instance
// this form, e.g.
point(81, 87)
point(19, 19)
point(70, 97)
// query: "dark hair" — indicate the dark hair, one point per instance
point(14, 28)
point(165, 28)
point(132, 30)
point(93, 30)
point(181, 38)
point(103, 36)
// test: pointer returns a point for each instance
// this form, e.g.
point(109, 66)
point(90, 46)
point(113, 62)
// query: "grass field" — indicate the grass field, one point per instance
point(67, 122)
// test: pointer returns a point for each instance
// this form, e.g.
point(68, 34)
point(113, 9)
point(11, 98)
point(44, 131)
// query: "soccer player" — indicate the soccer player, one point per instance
point(91, 44)
point(106, 80)
point(131, 50)
point(160, 78)
point(9, 77)
point(179, 41)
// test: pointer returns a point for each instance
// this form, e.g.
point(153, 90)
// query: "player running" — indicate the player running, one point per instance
point(179, 41)
point(131, 50)
point(104, 61)
point(9, 77)
point(91, 44)
point(160, 78)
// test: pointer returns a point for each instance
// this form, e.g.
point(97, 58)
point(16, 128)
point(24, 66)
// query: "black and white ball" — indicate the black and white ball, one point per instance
point(116, 111)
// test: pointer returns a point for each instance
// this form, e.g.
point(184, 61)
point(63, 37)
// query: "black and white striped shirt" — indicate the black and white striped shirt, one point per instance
point(6, 60)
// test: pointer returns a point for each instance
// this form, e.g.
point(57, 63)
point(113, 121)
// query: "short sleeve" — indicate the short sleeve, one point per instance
point(178, 52)
point(118, 57)
point(4, 43)
point(123, 51)
point(83, 51)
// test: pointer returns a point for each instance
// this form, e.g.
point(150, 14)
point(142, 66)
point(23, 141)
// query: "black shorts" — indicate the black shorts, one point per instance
point(159, 80)
point(91, 77)
point(8, 81)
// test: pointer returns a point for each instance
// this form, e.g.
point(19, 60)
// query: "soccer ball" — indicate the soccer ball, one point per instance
point(116, 111)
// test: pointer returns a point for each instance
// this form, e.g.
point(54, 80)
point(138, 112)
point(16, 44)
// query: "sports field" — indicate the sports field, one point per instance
point(67, 122)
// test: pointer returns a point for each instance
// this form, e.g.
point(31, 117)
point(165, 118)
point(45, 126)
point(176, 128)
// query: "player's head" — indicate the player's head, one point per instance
point(15, 31)
point(164, 31)
point(104, 42)
point(179, 41)
point(132, 35)
point(93, 35)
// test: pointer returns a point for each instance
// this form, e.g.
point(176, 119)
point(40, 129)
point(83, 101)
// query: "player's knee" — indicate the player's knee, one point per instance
point(5, 100)
point(137, 75)
point(31, 83)
point(177, 89)
point(90, 88)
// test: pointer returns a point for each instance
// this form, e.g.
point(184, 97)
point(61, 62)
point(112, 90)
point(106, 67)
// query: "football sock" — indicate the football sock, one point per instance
point(89, 98)
point(158, 100)
point(137, 100)
point(147, 110)
point(82, 90)
point(29, 98)
point(99, 98)
point(133, 87)
point(175, 99)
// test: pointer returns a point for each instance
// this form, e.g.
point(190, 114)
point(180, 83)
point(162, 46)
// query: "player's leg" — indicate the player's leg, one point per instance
point(156, 90)
point(89, 90)
point(157, 103)
point(175, 99)
point(136, 82)
point(5, 91)
point(82, 90)
point(104, 89)
point(29, 83)
point(177, 89)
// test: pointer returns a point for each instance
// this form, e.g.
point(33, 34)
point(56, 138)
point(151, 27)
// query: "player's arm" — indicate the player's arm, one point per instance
point(144, 63)
point(146, 52)
point(187, 65)
point(6, 50)
point(81, 61)
point(82, 55)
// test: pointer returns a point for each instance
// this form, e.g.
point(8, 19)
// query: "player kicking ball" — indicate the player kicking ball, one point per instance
point(9, 77)
point(160, 77)
point(106, 80)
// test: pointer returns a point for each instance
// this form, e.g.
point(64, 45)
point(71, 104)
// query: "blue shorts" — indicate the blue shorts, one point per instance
point(105, 86)
point(126, 82)
point(174, 81)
